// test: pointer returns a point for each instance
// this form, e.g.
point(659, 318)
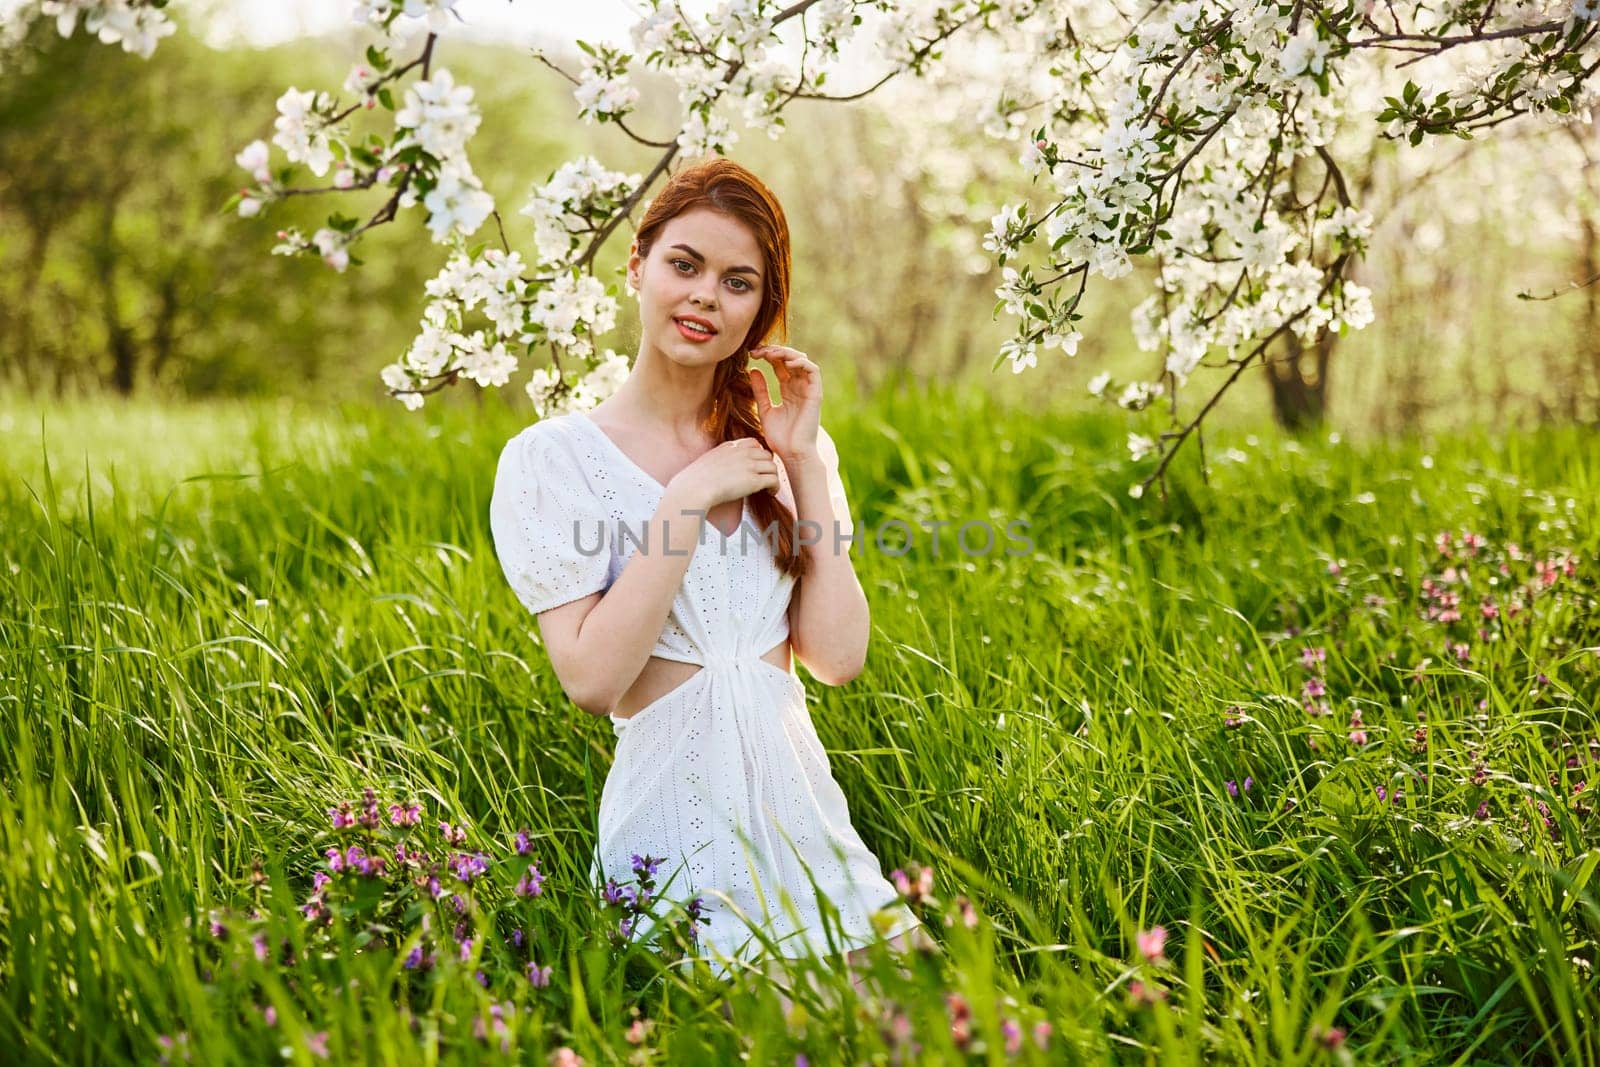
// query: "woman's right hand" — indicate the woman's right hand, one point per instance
point(732, 470)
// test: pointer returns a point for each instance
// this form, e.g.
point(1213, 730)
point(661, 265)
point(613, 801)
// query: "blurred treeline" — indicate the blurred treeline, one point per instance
point(119, 272)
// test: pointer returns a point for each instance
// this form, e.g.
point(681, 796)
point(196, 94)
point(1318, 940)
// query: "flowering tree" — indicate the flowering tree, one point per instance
point(1198, 139)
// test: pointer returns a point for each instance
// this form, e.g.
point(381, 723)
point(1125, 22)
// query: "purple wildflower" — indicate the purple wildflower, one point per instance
point(341, 817)
point(369, 809)
point(538, 976)
point(531, 884)
point(356, 859)
point(468, 866)
point(405, 814)
point(175, 1044)
point(523, 843)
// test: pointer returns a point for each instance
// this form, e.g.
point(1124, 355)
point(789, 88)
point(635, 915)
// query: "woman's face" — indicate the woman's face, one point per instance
point(704, 265)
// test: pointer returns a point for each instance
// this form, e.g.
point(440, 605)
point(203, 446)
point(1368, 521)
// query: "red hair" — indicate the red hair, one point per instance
point(728, 188)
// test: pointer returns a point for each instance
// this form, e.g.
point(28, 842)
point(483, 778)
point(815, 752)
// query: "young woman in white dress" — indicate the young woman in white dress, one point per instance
point(729, 554)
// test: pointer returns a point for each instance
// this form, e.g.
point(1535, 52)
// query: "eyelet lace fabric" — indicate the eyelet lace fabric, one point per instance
point(724, 776)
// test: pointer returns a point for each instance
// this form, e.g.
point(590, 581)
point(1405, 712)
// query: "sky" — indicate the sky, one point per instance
point(519, 22)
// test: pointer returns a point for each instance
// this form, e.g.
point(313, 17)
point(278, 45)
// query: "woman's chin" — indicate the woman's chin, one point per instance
point(695, 353)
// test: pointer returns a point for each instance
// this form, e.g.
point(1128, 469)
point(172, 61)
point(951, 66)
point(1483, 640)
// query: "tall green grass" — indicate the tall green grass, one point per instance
point(216, 623)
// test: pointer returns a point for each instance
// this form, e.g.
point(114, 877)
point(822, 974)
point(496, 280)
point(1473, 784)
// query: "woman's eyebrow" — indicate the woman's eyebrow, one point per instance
point(702, 259)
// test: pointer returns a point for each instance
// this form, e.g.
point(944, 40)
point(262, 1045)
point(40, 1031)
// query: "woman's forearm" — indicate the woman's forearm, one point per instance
point(831, 622)
point(617, 637)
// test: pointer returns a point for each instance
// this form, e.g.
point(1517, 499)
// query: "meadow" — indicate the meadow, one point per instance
point(1293, 766)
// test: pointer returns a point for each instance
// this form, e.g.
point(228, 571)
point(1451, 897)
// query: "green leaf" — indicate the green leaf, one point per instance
point(386, 98)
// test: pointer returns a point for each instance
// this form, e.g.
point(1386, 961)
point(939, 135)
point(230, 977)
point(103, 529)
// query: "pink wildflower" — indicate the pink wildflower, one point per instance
point(1151, 943)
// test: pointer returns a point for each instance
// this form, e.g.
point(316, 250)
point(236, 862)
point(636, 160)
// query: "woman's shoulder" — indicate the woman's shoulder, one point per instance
point(542, 440)
point(548, 428)
point(541, 451)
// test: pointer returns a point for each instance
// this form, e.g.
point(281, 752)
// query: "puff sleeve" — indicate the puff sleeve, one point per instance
point(830, 463)
point(551, 536)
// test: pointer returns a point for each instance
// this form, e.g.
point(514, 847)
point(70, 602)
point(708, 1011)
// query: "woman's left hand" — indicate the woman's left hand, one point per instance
point(791, 426)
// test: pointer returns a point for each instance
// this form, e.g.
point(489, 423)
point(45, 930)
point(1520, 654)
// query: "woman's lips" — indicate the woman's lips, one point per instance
point(691, 333)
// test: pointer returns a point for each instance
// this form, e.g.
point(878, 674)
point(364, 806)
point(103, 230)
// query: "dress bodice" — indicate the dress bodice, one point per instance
point(570, 509)
point(734, 600)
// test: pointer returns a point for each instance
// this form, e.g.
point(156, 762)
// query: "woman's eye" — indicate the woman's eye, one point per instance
point(744, 286)
point(683, 262)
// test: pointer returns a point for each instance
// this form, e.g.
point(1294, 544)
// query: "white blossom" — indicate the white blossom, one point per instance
point(457, 203)
point(437, 12)
point(137, 29)
point(254, 157)
point(600, 93)
point(439, 114)
point(1022, 354)
point(1140, 446)
point(488, 365)
point(1304, 53)
point(701, 136)
point(302, 131)
point(331, 245)
point(563, 206)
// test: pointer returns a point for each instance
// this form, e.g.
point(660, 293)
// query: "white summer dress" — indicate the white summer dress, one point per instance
point(724, 776)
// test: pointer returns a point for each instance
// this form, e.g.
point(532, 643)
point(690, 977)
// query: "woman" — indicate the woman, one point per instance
point(726, 549)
